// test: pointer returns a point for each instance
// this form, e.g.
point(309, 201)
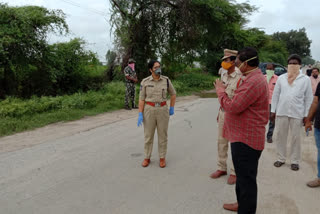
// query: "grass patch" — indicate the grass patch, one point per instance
point(17, 115)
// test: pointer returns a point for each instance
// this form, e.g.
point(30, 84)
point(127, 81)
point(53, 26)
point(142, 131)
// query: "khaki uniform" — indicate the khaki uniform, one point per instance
point(231, 82)
point(155, 116)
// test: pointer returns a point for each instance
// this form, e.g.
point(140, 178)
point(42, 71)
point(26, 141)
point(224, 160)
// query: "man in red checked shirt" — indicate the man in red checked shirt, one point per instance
point(246, 116)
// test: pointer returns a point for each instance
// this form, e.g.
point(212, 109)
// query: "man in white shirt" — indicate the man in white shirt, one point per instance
point(291, 100)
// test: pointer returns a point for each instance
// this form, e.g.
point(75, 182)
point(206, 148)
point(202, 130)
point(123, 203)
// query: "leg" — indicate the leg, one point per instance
point(295, 126)
point(133, 95)
point(149, 124)
point(126, 98)
point(162, 130)
point(222, 145)
point(271, 128)
point(282, 129)
point(317, 138)
point(245, 160)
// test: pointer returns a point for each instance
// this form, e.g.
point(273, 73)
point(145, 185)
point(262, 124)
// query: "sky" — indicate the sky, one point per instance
point(89, 19)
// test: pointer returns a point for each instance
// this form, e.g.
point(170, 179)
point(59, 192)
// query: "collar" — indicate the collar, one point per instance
point(152, 79)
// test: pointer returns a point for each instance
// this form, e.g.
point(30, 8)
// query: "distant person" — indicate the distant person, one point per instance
point(314, 114)
point(315, 79)
point(131, 80)
point(246, 116)
point(272, 80)
point(230, 78)
point(291, 101)
point(309, 70)
point(154, 112)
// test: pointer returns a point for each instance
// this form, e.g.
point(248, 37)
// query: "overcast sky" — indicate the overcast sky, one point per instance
point(89, 19)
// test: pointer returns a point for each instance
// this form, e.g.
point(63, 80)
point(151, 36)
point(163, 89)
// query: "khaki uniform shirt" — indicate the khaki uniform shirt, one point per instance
point(156, 91)
point(231, 82)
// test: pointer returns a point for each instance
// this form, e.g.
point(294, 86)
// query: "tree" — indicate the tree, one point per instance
point(178, 32)
point(23, 40)
point(297, 42)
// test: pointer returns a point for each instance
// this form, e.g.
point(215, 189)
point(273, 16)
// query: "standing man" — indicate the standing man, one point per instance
point(315, 79)
point(230, 80)
point(271, 79)
point(246, 116)
point(153, 111)
point(131, 79)
point(314, 113)
point(291, 101)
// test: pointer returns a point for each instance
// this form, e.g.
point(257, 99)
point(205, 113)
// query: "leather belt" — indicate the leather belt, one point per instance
point(157, 104)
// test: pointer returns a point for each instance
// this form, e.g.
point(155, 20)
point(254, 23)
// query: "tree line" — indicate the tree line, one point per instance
point(178, 33)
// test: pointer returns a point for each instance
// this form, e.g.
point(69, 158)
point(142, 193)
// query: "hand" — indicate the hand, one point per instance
point(219, 84)
point(307, 124)
point(140, 119)
point(272, 117)
point(171, 111)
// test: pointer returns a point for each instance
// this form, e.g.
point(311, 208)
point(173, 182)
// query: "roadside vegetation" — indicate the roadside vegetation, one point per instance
point(42, 83)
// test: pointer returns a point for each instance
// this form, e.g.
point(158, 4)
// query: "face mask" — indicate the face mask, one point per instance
point(240, 66)
point(293, 69)
point(158, 71)
point(226, 65)
point(131, 65)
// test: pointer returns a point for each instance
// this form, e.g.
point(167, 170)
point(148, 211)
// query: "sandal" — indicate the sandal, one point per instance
point(295, 167)
point(278, 164)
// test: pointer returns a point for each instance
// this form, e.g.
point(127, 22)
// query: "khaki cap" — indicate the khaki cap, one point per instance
point(228, 53)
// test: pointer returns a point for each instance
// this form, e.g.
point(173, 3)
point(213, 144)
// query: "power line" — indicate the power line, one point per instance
point(101, 13)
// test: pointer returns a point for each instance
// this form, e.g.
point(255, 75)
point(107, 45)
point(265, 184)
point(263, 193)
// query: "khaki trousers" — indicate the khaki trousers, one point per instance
point(155, 117)
point(223, 145)
point(284, 125)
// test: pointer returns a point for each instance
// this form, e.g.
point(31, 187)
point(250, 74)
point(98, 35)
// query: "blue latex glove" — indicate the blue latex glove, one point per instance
point(171, 111)
point(140, 119)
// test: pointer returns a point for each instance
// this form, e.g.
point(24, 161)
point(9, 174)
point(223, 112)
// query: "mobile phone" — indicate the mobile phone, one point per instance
point(307, 132)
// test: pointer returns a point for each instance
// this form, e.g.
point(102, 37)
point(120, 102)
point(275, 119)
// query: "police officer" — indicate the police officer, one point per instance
point(153, 111)
point(131, 79)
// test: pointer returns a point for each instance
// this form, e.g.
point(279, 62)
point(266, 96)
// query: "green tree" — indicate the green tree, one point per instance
point(23, 40)
point(297, 42)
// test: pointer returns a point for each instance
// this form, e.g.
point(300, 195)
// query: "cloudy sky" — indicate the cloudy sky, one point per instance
point(89, 19)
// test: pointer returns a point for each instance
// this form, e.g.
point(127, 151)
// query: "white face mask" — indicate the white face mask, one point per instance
point(158, 71)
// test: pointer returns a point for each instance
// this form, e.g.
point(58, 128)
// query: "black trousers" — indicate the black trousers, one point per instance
point(245, 161)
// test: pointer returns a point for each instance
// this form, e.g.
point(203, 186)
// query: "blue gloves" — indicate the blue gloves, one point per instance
point(171, 111)
point(140, 119)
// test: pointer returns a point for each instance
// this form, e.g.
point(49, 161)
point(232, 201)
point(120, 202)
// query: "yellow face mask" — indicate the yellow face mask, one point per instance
point(226, 65)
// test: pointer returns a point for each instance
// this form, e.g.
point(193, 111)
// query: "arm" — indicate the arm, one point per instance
point(132, 79)
point(308, 98)
point(141, 105)
point(245, 95)
point(312, 113)
point(173, 100)
point(276, 96)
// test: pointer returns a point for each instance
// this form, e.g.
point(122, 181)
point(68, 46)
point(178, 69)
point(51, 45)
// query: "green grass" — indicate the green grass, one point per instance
point(17, 115)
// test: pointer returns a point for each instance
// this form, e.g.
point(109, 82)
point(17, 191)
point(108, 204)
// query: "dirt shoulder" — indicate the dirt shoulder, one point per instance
point(62, 129)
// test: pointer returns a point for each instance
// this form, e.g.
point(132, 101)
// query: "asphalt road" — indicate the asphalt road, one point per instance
point(93, 166)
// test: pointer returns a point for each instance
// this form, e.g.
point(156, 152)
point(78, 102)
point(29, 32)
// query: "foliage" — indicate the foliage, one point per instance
point(297, 42)
point(23, 33)
point(178, 32)
point(308, 61)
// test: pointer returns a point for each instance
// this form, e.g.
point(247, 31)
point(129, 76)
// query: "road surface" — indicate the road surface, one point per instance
point(94, 166)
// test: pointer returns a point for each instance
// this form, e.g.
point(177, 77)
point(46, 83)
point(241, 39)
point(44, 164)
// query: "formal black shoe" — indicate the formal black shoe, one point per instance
point(127, 108)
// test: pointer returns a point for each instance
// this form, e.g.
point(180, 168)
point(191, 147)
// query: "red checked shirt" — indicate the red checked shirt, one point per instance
point(247, 113)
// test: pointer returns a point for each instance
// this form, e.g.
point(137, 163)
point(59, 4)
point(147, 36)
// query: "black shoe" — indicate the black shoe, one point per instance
point(269, 140)
point(295, 167)
point(134, 107)
point(278, 164)
point(127, 108)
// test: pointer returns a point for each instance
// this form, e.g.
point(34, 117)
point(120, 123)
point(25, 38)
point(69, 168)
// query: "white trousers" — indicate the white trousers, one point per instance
point(284, 127)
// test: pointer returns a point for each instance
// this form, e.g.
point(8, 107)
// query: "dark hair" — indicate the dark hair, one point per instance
point(316, 69)
point(151, 63)
point(248, 53)
point(232, 58)
point(295, 56)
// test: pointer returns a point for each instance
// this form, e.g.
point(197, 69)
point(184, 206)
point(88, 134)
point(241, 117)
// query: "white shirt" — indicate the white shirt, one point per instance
point(292, 100)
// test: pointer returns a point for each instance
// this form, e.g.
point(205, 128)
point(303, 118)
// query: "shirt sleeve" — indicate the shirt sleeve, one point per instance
point(142, 95)
point(126, 71)
point(308, 98)
point(243, 98)
point(171, 89)
point(276, 95)
point(317, 91)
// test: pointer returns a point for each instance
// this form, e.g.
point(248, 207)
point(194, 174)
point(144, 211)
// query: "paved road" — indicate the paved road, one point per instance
point(97, 170)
